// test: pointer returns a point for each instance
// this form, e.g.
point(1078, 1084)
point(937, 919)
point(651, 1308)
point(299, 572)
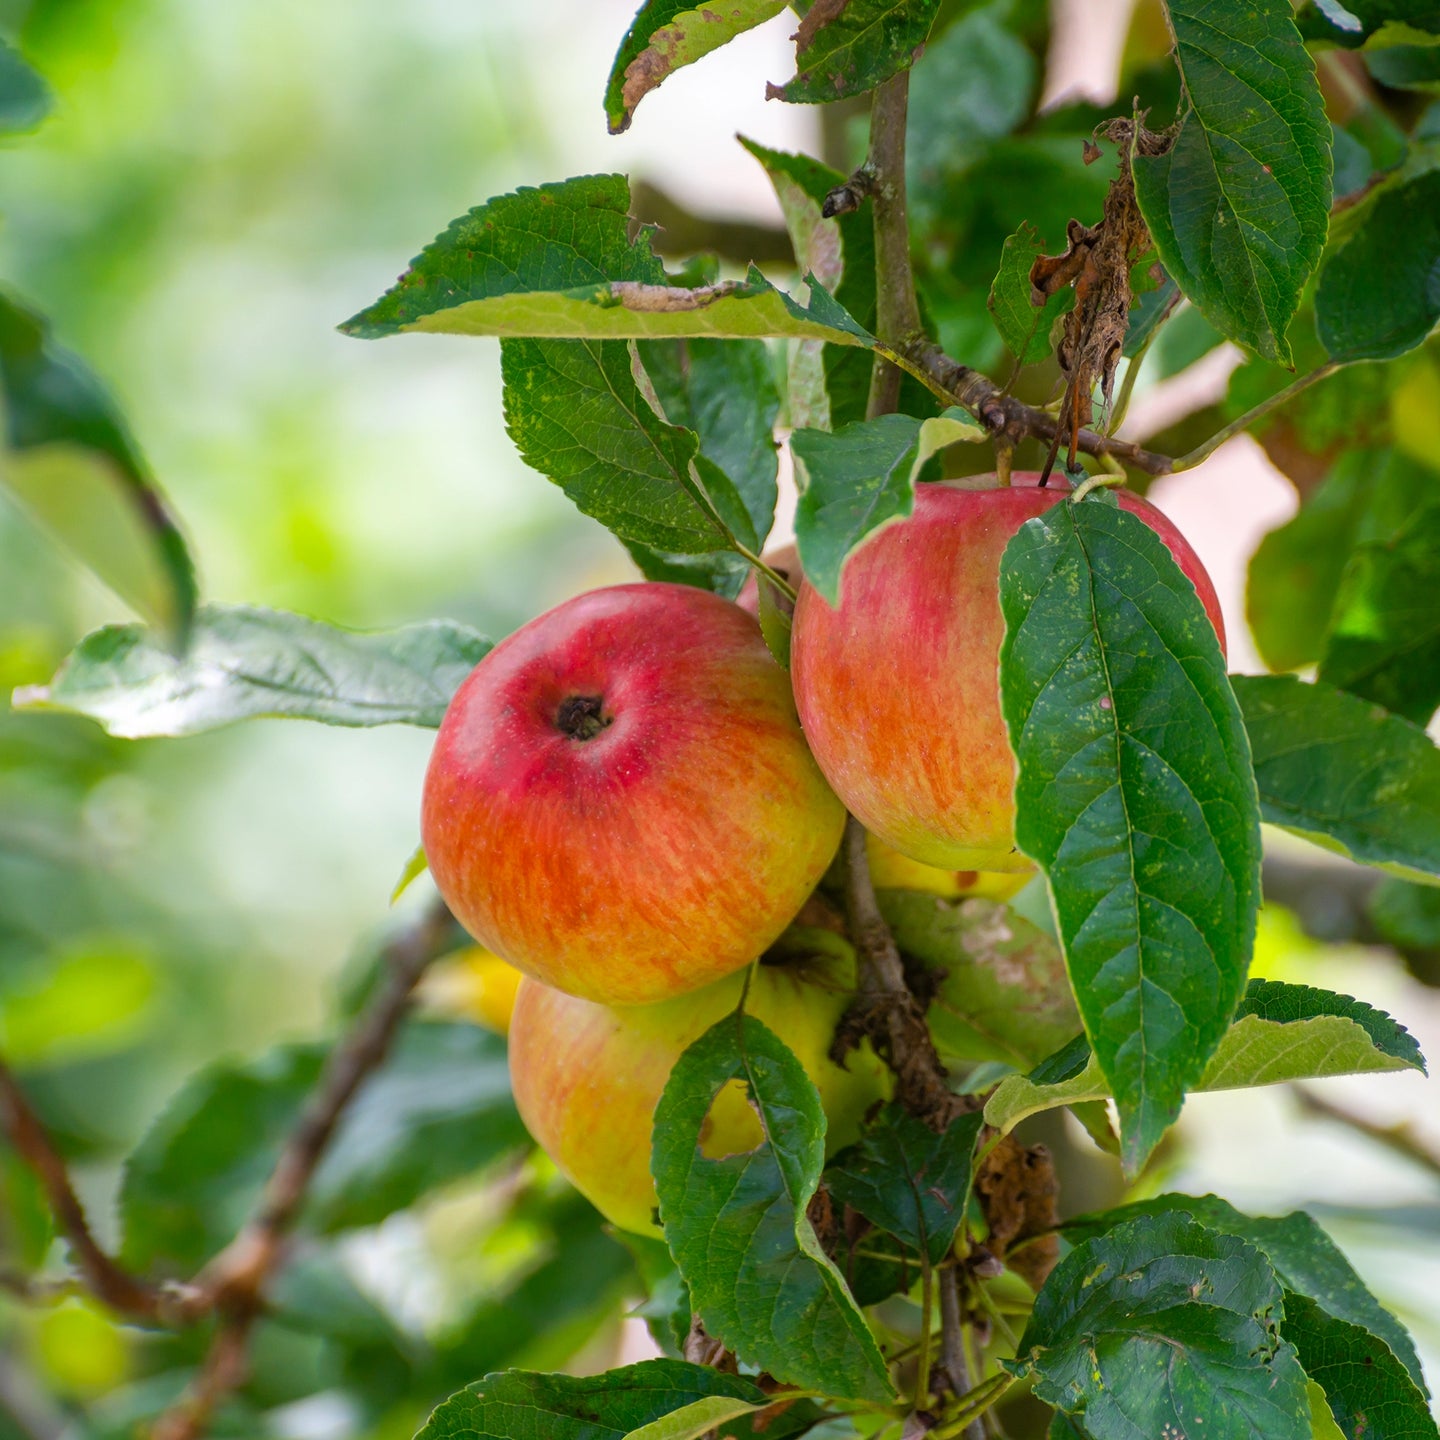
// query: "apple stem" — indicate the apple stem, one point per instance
point(582, 717)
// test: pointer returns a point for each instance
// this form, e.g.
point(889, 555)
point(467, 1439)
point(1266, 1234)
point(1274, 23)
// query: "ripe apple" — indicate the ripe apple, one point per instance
point(472, 984)
point(620, 801)
point(898, 689)
point(890, 870)
point(587, 1077)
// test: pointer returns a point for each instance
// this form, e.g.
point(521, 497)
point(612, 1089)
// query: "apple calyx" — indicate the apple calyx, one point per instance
point(582, 717)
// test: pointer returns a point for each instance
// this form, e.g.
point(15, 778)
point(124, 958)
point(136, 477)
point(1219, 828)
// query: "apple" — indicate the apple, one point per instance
point(890, 870)
point(621, 802)
point(898, 689)
point(472, 984)
point(587, 1077)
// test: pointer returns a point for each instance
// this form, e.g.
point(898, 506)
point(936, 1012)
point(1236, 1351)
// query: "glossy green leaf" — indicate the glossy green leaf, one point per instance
point(858, 478)
point(738, 1228)
point(1238, 205)
point(517, 1405)
point(829, 385)
point(1384, 640)
point(1372, 1396)
point(1406, 915)
point(1304, 1257)
point(1406, 67)
point(1005, 995)
point(1344, 773)
point(243, 663)
point(1025, 327)
point(1379, 294)
point(908, 1180)
point(1281, 1032)
point(1162, 1327)
point(864, 44)
point(24, 96)
point(67, 456)
point(1369, 22)
point(440, 1109)
point(668, 34)
point(1135, 794)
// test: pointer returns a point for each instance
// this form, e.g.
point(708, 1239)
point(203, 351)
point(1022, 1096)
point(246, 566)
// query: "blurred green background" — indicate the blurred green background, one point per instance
point(217, 187)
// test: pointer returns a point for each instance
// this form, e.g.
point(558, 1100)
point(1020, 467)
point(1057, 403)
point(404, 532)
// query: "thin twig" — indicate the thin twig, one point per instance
point(107, 1279)
point(897, 311)
point(1243, 422)
point(1401, 1139)
point(234, 1282)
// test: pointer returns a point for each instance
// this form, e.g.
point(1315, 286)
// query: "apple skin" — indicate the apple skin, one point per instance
point(898, 689)
point(587, 1077)
point(890, 870)
point(620, 801)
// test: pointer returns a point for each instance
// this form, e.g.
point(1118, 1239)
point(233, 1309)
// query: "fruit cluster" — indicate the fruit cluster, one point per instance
point(630, 801)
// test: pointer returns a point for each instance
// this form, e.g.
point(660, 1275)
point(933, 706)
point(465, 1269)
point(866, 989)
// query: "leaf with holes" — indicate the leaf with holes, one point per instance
point(855, 480)
point(243, 663)
point(849, 48)
point(1304, 1258)
point(668, 34)
point(1135, 793)
point(1239, 203)
point(1161, 1327)
point(1344, 773)
point(738, 1228)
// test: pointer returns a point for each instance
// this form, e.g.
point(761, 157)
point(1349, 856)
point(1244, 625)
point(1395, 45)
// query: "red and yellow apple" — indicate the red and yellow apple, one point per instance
point(621, 802)
point(587, 1077)
point(472, 984)
point(890, 870)
point(898, 688)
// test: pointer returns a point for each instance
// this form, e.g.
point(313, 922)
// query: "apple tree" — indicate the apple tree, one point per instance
point(1041, 892)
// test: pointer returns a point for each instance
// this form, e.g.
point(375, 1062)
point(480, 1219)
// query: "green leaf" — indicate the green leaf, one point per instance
point(737, 1226)
point(576, 415)
point(67, 457)
point(243, 662)
point(908, 1180)
point(1162, 1327)
point(724, 391)
point(1384, 641)
point(858, 478)
point(1239, 204)
point(829, 385)
point(1406, 67)
point(1005, 995)
point(1305, 1260)
point(1371, 1393)
point(24, 96)
point(1281, 1032)
point(557, 263)
point(668, 34)
point(862, 46)
point(1295, 573)
point(518, 1405)
point(1368, 22)
point(1135, 793)
point(1344, 773)
point(1149, 312)
point(1024, 327)
point(440, 1109)
point(1379, 294)
point(1406, 915)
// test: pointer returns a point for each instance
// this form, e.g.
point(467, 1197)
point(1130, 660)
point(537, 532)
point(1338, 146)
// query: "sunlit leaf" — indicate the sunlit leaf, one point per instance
point(856, 47)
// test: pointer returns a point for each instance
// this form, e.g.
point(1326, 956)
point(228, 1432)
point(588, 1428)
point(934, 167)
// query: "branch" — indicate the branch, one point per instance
point(1011, 419)
point(897, 312)
point(1400, 1139)
point(886, 1011)
point(233, 1284)
point(108, 1280)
